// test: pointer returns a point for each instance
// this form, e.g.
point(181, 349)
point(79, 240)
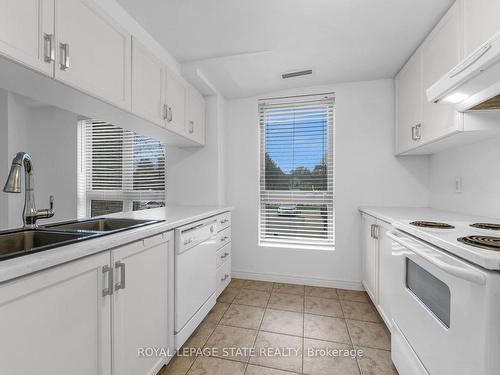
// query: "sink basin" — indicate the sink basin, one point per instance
point(23, 242)
point(100, 225)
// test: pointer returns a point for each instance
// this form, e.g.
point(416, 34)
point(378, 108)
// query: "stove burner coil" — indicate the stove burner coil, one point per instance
point(488, 226)
point(431, 224)
point(484, 242)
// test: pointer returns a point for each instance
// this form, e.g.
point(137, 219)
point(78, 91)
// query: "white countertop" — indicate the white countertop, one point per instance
point(173, 216)
point(400, 218)
point(392, 214)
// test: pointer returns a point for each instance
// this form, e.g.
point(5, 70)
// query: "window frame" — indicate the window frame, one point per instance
point(293, 196)
point(84, 179)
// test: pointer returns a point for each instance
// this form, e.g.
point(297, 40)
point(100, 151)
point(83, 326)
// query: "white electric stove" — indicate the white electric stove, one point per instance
point(446, 297)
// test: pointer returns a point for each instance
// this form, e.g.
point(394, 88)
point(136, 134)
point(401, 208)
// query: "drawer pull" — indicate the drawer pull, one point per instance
point(224, 238)
point(224, 221)
point(224, 256)
point(187, 242)
point(225, 277)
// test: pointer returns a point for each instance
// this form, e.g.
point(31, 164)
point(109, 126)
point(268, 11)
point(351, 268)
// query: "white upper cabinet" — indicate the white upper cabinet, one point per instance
point(195, 116)
point(481, 22)
point(93, 52)
point(176, 97)
point(148, 84)
point(408, 85)
point(27, 33)
point(441, 51)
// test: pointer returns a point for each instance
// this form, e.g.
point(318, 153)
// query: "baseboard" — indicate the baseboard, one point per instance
point(291, 279)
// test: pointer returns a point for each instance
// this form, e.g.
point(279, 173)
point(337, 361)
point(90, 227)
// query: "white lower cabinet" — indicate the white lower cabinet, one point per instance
point(223, 254)
point(141, 306)
point(384, 272)
point(57, 321)
point(91, 315)
point(370, 257)
point(376, 263)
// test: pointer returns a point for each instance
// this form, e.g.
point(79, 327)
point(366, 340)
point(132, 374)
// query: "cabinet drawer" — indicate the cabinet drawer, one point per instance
point(223, 275)
point(223, 237)
point(223, 254)
point(223, 221)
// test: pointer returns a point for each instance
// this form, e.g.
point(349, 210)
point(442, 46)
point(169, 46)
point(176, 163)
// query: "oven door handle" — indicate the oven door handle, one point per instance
point(471, 275)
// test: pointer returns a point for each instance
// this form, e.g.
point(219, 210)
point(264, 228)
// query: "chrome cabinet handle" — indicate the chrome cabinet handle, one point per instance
point(375, 231)
point(109, 289)
point(121, 284)
point(224, 256)
point(168, 114)
point(225, 277)
point(418, 132)
point(48, 48)
point(191, 127)
point(164, 114)
point(371, 231)
point(63, 56)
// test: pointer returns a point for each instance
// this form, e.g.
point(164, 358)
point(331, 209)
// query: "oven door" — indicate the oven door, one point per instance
point(439, 304)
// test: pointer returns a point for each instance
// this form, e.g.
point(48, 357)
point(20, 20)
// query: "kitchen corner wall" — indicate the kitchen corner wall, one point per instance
point(366, 173)
point(195, 175)
point(49, 135)
point(478, 166)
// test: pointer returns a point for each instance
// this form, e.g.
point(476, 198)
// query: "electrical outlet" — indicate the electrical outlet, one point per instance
point(458, 185)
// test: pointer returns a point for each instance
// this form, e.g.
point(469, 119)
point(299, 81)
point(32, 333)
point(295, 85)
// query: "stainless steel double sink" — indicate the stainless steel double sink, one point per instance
point(21, 242)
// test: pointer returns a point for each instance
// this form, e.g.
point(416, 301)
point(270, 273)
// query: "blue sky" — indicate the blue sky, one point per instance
point(296, 138)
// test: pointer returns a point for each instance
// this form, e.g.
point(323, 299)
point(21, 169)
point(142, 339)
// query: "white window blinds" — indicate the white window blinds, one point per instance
point(297, 171)
point(118, 170)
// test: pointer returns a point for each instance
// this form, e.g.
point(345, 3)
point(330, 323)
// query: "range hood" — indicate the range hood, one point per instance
point(474, 84)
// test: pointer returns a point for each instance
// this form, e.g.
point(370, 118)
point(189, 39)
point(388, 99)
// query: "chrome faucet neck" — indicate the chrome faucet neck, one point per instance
point(13, 185)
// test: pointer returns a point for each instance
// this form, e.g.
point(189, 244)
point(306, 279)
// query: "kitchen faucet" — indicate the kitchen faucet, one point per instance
point(13, 185)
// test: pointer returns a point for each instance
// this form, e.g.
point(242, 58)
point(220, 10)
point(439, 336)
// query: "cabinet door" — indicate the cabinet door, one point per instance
point(384, 272)
point(196, 116)
point(57, 321)
point(27, 32)
point(441, 51)
point(408, 102)
point(176, 96)
point(481, 22)
point(369, 256)
point(140, 311)
point(93, 52)
point(148, 84)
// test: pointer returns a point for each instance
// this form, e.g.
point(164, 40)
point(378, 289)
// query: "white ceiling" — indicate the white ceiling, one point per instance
point(243, 46)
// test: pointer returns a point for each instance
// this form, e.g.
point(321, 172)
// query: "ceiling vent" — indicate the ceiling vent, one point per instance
point(296, 74)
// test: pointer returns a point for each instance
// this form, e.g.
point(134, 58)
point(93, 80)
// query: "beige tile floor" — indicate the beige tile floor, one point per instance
point(290, 328)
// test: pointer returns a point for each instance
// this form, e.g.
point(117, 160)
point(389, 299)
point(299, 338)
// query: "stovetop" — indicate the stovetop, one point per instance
point(477, 242)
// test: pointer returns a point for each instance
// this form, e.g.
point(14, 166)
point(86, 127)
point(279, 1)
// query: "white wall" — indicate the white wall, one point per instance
point(367, 173)
point(478, 166)
point(49, 135)
point(195, 175)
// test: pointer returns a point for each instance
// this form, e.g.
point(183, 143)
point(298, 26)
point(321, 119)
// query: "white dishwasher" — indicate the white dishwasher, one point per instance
point(195, 281)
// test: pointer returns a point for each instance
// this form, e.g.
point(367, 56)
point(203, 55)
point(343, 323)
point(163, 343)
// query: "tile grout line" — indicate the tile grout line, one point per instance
point(350, 338)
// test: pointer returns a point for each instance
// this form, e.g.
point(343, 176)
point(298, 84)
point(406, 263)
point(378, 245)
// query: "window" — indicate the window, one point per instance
point(118, 170)
point(296, 171)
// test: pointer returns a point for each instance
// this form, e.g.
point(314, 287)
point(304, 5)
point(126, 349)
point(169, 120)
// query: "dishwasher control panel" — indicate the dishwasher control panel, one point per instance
point(193, 234)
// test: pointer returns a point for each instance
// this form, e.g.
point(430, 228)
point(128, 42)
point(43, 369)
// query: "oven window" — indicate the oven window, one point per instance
point(431, 291)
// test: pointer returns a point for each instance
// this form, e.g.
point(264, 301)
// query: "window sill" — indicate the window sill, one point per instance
point(296, 246)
